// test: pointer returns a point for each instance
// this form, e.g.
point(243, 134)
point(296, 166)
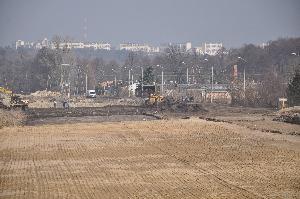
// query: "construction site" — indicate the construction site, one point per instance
point(193, 99)
point(55, 146)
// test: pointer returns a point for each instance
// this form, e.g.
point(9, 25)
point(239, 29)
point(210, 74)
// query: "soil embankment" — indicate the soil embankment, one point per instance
point(38, 116)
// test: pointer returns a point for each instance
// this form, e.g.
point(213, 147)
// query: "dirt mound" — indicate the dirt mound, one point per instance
point(34, 113)
point(172, 105)
point(45, 99)
point(11, 118)
point(188, 107)
point(289, 115)
point(45, 93)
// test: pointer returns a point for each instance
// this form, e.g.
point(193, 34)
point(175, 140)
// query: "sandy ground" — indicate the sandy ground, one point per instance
point(148, 159)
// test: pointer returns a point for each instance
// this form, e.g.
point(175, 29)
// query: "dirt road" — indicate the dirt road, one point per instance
point(148, 159)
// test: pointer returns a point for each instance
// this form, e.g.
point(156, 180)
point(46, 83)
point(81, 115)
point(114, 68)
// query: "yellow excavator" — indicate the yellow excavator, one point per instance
point(154, 99)
point(8, 100)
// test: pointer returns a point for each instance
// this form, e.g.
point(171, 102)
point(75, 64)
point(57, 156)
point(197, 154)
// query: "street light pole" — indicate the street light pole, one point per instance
point(129, 91)
point(162, 81)
point(193, 72)
point(142, 81)
point(212, 84)
point(86, 81)
point(129, 76)
point(61, 75)
point(132, 81)
point(294, 65)
point(187, 76)
point(244, 82)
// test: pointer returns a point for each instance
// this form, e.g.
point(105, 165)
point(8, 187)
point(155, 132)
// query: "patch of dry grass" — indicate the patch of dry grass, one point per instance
point(11, 118)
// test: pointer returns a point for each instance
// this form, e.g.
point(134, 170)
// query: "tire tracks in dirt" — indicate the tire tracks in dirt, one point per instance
point(218, 178)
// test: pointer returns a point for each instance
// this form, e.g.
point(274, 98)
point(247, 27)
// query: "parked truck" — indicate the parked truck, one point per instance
point(91, 94)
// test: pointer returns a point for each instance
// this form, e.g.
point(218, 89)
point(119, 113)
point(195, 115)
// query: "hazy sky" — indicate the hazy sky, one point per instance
point(233, 22)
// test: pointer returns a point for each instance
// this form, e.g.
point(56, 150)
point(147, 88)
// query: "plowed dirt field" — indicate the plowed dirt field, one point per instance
point(148, 159)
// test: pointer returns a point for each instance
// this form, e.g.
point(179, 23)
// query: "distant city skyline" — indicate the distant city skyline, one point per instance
point(232, 22)
point(63, 43)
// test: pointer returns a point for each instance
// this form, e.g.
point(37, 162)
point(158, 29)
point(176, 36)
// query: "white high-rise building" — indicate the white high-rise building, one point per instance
point(81, 45)
point(188, 46)
point(139, 47)
point(45, 43)
point(19, 44)
point(199, 50)
point(212, 48)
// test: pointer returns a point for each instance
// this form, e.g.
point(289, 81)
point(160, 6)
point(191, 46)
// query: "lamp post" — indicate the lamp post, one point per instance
point(115, 77)
point(297, 55)
point(212, 82)
point(162, 79)
point(142, 81)
point(61, 75)
point(187, 73)
point(244, 75)
point(129, 76)
point(193, 72)
point(86, 82)
point(129, 91)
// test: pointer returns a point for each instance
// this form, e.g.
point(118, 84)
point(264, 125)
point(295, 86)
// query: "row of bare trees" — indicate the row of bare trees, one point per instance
point(268, 70)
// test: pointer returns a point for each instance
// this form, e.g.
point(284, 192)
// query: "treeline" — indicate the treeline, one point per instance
point(268, 70)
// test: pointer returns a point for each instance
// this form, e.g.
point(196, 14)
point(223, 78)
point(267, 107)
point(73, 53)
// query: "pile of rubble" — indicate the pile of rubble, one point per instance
point(178, 106)
point(45, 93)
point(46, 99)
point(289, 115)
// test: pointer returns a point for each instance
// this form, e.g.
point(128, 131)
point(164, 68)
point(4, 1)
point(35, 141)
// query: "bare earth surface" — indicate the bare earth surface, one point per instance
point(148, 159)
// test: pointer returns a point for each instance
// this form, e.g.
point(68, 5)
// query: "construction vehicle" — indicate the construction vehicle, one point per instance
point(8, 100)
point(154, 99)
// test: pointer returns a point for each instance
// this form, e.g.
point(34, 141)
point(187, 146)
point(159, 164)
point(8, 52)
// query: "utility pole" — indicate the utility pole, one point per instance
point(132, 81)
point(244, 82)
point(69, 93)
point(129, 76)
point(162, 82)
point(86, 82)
point(142, 82)
point(193, 76)
point(187, 75)
point(212, 84)
point(129, 83)
point(244, 78)
point(61, 79)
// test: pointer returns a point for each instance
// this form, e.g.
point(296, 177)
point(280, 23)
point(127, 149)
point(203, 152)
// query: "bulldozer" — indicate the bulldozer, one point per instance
point(8, 100)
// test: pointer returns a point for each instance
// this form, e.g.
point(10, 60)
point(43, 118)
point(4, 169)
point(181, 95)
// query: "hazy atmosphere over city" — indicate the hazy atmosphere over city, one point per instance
point(150, 99)
point(233, 22)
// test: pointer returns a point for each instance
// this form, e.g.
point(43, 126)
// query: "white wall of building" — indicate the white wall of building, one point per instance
point(188, 46)
point(212, 48)
point(139, 47)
